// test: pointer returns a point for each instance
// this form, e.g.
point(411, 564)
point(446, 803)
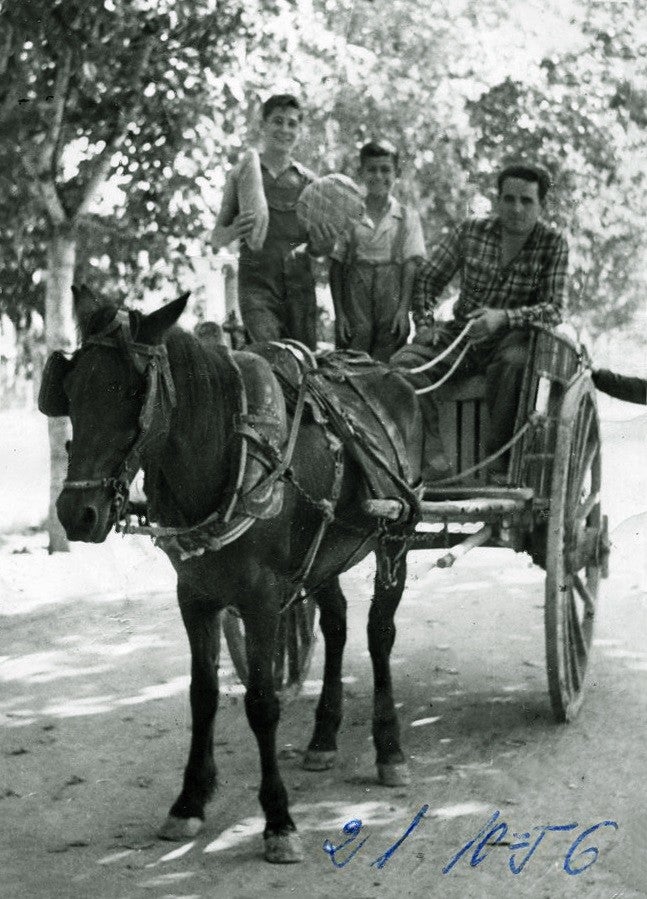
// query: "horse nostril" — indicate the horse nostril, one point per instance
point(89, 518)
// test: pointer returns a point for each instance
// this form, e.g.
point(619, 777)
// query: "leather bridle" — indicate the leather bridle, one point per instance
point(155, 415)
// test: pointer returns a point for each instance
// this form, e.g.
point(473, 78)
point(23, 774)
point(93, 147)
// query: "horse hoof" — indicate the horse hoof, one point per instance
point(179, 828)
point(394, 775)
point(316, 760)
point(283, 848)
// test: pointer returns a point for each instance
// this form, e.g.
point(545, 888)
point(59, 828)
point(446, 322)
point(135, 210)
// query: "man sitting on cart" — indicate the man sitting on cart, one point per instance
point(513, 271)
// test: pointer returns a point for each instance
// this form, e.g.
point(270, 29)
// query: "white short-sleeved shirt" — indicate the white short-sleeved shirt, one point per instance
point(375, 244)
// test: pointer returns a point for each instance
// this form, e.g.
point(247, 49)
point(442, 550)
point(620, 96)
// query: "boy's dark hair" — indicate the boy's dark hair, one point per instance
point(375, 148)
point(280, 101)
point(531, 173)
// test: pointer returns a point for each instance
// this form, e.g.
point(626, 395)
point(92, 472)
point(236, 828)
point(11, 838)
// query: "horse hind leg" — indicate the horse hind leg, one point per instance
point(186, 816)
point(282, 842)
point(392, 769)
point(322, 748)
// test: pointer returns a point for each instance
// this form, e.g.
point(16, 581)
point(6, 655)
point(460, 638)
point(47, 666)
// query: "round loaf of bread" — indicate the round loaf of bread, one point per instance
point(334, 200)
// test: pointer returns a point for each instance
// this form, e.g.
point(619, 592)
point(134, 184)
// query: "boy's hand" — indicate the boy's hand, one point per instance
point(344, 332)
point(400, 326)
point(486, 322)
point(243, 224)
point(322, 239)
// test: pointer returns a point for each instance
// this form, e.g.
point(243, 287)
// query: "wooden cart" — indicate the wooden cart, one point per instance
point(550, 509)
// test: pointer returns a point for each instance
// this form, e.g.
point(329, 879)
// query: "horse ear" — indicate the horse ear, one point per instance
point(85, 305)
point(154, 326)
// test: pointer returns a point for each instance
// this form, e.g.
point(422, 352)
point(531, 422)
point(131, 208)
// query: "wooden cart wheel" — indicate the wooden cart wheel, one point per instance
point(576, 551)
point(294, 646)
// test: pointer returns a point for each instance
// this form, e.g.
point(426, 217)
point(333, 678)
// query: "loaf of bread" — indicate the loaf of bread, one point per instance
point(334, 200)
point(251, 197)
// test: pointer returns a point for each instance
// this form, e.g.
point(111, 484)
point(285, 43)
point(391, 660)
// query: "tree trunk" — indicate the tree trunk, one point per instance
point(60, 334)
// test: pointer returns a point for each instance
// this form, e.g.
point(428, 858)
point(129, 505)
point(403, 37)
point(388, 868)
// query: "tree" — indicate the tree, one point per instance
point(464, 88)
point(133, 90)
point(582, 117)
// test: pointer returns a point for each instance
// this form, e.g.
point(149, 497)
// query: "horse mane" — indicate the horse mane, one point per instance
point(206, 387)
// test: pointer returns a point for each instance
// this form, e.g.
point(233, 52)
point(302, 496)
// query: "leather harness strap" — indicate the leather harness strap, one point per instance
point(231, 520)
point(220, 529)
point(151, 361)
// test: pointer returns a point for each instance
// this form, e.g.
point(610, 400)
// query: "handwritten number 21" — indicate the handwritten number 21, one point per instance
point(353, 827)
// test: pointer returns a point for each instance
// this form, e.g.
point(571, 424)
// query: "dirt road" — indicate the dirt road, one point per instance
point(94, 708)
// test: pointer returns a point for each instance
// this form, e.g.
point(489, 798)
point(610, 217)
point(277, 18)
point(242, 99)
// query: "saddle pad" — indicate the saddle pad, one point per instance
point(368, 406)
point(373, 409)
point(265, 423)
point(289, 360)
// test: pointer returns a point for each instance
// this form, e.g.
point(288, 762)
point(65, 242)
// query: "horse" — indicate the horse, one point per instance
point(141, 392)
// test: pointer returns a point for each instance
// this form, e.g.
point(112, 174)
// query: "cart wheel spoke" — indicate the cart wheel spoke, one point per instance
point(295, 641)
point(583, 424)
point(585, 467)
point(585, 593)
point(587, 507)
point(577, 641)
point(572, 659)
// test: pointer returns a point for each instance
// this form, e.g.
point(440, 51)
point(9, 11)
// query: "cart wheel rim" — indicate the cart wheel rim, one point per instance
point(573, 559)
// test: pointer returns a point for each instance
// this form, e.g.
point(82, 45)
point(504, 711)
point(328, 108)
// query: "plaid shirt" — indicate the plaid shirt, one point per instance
point(530, 287)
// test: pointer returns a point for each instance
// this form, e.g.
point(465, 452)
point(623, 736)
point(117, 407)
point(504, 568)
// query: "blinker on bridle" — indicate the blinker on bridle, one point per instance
point(155, 415)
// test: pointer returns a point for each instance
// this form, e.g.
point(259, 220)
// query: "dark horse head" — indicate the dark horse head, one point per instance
point(105, 388)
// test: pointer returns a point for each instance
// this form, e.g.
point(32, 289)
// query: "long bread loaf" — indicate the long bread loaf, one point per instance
point(251, 197)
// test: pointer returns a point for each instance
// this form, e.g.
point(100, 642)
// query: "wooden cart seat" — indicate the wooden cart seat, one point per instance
point(464, 424)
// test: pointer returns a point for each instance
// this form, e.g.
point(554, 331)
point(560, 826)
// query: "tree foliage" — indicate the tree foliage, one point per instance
point(127, 94)
point(158, 96)
point(133, 94)
point(582, 117)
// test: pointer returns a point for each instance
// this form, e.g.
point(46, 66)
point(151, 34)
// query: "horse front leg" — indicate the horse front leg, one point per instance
point(392, 769)
point(322, 748)
point(202, 623)
point(282, 843)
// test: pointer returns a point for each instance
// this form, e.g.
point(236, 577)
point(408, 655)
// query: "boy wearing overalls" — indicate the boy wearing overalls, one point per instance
point(276, 288)
point(374, 264)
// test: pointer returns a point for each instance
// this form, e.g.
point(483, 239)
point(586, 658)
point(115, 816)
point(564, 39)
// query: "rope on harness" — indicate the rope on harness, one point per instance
point(422, 390)
point(452, 346)
point(327, 508)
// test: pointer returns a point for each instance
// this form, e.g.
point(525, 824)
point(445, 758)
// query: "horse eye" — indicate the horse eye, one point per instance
point(68, 446)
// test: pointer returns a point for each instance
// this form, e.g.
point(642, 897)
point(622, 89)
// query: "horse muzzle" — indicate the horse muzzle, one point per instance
point(87, 514)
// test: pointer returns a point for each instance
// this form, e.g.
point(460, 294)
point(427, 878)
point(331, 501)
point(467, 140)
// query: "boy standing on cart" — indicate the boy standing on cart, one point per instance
point(373, 265)
point(513, 272)
point(276, 287)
